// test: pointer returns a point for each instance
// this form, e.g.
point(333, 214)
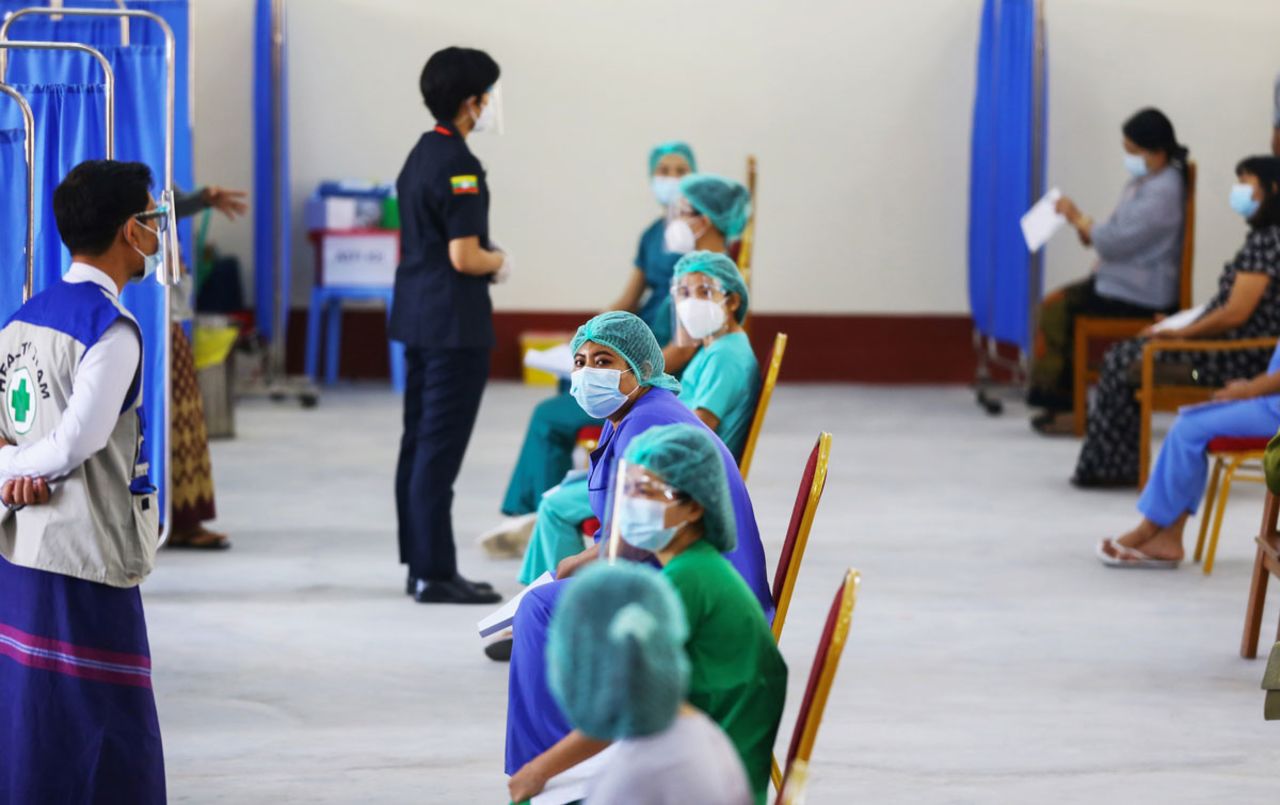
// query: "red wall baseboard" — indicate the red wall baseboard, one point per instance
point(821, 348)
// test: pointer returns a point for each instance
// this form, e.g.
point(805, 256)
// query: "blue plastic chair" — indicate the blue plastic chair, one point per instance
point(327, 302)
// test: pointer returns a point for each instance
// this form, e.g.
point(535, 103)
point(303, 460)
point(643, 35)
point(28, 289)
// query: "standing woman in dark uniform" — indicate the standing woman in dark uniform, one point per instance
point(442, 314)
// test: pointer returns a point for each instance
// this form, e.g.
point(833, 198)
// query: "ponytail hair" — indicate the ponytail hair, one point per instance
point(1151, 130)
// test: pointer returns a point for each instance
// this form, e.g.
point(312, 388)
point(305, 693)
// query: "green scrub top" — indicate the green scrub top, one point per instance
point(738, 677)
point(724, 378)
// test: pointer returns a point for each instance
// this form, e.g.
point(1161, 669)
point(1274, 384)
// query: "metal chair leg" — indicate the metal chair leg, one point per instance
point(1206, 508)
point(1223, 495)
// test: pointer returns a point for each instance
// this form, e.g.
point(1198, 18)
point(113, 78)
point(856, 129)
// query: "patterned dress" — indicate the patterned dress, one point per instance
point(192, 472)
point(1110, 451)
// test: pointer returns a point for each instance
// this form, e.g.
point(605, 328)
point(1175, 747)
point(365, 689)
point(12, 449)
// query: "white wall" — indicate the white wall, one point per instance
point(858, 111)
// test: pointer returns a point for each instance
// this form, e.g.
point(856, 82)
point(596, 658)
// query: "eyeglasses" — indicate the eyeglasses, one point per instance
point(160, 215)
point(646, 486)
point(705, 291)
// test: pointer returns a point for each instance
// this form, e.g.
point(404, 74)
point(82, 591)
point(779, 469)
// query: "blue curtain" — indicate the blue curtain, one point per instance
point(140, 136)
point(1001, 165)
point(13, 214)
point(70, 128)
point(268, 244)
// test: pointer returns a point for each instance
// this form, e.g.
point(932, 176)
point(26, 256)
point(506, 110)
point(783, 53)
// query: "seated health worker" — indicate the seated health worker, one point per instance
point(618, 667)
point(676, 504)
point(1139, 264)
point(620, 379)
point(1244, 408)
point(720, 386)
point(1247, 305)
point(547, 451)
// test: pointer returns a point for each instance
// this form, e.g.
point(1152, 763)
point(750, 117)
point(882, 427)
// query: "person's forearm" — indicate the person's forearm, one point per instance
point(186, 205)
point(1210, 324)
point(630, 298)
point(1265, 384)
point(676, 358)
point(1275, 141)
point(468, 257)
point(571, 750)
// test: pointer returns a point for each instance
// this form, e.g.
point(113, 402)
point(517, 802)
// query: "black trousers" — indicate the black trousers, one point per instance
point(442, 395)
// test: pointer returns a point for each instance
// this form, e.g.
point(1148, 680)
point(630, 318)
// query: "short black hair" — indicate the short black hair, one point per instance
point(1267, 170)
point(454, 74)
point(95, 199)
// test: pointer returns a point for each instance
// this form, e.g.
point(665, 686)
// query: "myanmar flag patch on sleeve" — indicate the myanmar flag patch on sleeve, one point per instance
point(463, 185)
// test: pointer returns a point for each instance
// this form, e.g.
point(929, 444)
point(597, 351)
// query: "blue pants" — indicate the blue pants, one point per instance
point(1177, 482)
point(547, 452)
point(442, 395)
point(534, 720)
point(558, 532)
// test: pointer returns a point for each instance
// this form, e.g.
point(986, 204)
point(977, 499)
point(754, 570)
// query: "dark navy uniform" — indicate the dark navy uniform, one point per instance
point(445, 320)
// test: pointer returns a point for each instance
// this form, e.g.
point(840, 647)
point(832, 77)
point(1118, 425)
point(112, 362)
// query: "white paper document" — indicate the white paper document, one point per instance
point(558, 360)
point(1042, 222)
point(1180, 319)
point(507, 612)
point(573, 784)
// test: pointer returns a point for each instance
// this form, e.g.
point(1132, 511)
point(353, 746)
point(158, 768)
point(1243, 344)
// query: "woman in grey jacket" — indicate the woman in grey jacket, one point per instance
point(1139, 251)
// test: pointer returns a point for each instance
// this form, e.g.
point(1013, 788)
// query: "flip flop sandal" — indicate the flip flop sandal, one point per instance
point(202, 540)
point(1132, 557)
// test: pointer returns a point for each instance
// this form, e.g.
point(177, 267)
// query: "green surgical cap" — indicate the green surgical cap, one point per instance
point(671, 147)
point(722, 269)
point(616, 661)
point(727, 203)
point(628, 335)
point(688, 457)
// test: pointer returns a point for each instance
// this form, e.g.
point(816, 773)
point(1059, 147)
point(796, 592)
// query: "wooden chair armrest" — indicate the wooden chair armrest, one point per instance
point(1206, 345)
point(1094, 327)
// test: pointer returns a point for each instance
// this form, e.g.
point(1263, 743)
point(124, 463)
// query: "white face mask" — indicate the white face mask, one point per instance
point(701, 318)
point(679, 238)
point(666, 189)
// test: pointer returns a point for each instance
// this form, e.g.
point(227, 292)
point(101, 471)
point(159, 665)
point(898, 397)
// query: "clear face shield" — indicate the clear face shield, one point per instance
point(490, 119)
point(637, 514)
point(698, 305)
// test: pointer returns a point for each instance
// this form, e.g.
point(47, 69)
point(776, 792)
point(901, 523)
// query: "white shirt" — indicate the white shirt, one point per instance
point(690, 761)
point(98, 390)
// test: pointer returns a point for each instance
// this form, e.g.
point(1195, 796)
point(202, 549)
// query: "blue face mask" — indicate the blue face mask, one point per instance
point(1136, 165)
point(151, 262)
point(1242, 200)
point(596, 390)
point(665, 189)
point(641, 522)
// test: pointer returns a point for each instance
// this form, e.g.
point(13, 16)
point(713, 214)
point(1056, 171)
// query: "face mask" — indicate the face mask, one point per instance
point(596, 391)
point(150, 262)
point(700, 317)
point(679, 237)
point(1242, 200)
point(665, 189)
point(1136, 165)
point(641, 522)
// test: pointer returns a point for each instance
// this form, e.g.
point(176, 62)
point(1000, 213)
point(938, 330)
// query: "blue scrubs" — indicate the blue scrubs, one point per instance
point(658, 266)
point(534, 720)
point(1177, 482)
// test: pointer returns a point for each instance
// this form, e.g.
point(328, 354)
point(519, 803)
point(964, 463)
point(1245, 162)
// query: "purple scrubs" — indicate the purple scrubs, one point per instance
point(534, 720)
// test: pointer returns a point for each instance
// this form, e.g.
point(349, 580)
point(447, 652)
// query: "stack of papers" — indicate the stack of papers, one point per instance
point(507, 612)
point(1180, 319)
point(558, 360)
point(1042, 221)
point(573, 784)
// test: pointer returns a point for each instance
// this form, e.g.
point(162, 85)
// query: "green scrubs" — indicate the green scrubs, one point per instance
point(557, 533)
point(724, 379)
point(738, 677)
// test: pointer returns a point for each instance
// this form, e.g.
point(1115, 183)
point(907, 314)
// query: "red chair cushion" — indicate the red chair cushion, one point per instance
point(815, 674)
point(590, 527)
point(1238, 444)
point(793, 530)
point(591, 433)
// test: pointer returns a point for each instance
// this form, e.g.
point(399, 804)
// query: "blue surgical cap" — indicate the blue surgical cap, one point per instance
point(688, 457)
point(720, 268)
point(671, 147)
point(725, 202)
point(616, 661)
point(628, 335)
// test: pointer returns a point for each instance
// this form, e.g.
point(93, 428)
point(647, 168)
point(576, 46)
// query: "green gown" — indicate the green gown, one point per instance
point(738, 676)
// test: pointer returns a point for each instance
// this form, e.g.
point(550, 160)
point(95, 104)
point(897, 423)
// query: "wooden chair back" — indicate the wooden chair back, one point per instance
point(812, 484)
point(767, 384)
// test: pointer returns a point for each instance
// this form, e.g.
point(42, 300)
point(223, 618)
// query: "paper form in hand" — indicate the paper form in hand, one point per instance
point(558, 360)
point(1042, 221)
point(507, 612)
point(1180, 319)
point(573, 784)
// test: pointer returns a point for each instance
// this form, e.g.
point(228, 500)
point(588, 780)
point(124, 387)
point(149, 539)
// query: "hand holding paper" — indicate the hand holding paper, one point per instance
point(1042, 221)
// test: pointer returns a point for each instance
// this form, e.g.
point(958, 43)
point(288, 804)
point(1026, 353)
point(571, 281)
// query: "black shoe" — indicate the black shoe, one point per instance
point(499, 650)
point(454, 591)
point(411, 585)
point(1091, 482)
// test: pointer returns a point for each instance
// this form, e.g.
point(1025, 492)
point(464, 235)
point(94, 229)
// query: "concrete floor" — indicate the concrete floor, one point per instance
point(992, 659)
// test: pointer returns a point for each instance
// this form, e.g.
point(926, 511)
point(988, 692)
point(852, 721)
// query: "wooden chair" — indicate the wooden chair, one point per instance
point(774, 367)
point(1153, 397)
point(1230, 455)
point(1093, 334)
point(821, 676)
point(1266, 565)
point(812, 484)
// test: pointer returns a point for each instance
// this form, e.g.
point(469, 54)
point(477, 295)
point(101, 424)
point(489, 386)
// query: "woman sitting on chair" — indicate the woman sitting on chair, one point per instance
point(620, 378)
point(1139, 261)
point(1247, 305)
point(676, 503)
point(720, 386)
point(618, 667)
point(1243, 408)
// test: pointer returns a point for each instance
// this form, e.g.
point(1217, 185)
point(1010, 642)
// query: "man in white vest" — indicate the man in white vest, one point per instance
point(79, 524)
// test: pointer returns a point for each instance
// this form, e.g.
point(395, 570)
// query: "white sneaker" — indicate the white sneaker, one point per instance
point(508, 540)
